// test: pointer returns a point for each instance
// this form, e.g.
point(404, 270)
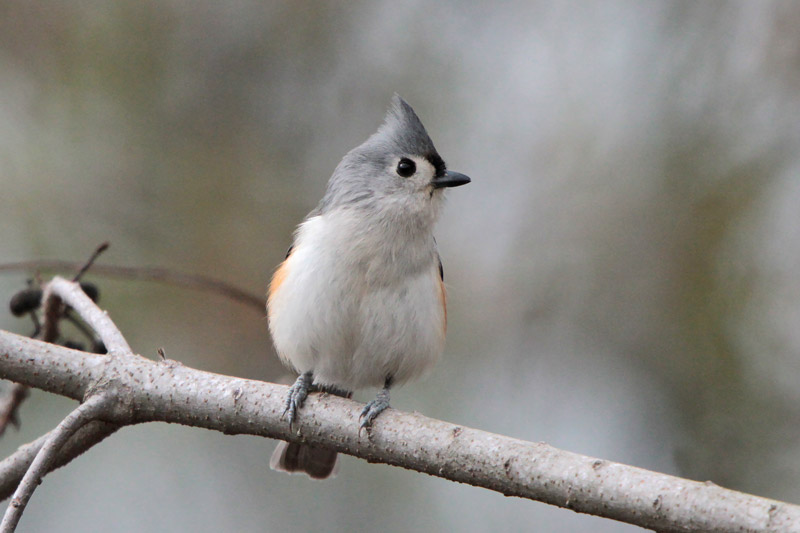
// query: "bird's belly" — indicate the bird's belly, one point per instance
point(396, 331)
point(353, 336)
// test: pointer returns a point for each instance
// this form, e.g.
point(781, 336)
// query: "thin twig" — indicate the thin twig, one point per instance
point(100, 249)
point(80, 326)
point(13, 467)
point(156, 274)
point(52, 311)
point(71, 293)
point(86, 412)
point(9, 405)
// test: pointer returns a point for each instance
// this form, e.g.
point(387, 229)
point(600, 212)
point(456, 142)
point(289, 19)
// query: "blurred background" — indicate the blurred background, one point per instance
point(623, 271)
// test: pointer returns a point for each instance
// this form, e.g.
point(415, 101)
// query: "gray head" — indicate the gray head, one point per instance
point(397, 171)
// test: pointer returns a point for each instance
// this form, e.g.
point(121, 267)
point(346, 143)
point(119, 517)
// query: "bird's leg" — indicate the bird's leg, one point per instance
point(376, 406)
point(297, 395)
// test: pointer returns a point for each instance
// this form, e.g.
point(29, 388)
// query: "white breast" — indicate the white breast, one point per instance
point(356, 306)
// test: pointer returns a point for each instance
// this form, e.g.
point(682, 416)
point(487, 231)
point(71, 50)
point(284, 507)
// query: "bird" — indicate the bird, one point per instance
point(359, 300)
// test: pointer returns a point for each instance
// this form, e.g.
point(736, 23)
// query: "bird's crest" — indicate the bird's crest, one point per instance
point(403, 128)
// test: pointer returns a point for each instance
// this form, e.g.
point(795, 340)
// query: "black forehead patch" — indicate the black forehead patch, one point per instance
point(437, 162)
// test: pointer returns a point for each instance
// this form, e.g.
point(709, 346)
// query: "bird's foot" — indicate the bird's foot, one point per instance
point(374, 408)
point(297, 396)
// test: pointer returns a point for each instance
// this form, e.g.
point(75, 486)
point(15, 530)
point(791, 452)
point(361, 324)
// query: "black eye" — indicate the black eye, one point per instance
point(406, 167)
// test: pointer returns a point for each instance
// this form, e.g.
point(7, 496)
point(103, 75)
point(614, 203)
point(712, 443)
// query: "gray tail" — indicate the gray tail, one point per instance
point(296, 458)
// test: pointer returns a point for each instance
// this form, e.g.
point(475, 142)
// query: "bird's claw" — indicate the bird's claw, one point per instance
point(371, 411)
point(375, 407)
point(296, 397)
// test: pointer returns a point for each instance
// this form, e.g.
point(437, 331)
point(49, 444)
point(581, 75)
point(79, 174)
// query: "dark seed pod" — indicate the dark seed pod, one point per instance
point(91, 290)
point(25, 301)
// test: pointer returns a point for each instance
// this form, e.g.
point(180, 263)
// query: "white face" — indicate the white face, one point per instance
point(413, 173)
point(407, 196)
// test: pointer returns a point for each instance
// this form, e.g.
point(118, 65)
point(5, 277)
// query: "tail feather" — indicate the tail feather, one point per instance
point(296, 458)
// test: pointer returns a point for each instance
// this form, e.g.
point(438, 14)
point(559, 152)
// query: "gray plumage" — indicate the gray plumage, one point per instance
point(359, 300)
point(358, 178)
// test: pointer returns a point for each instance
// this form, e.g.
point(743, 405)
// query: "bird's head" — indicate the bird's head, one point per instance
point(397, 170)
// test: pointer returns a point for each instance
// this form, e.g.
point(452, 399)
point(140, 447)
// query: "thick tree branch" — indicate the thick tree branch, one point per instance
point(170, 392)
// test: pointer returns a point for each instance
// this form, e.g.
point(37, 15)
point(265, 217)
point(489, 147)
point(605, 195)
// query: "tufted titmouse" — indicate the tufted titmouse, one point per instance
point(359, 300)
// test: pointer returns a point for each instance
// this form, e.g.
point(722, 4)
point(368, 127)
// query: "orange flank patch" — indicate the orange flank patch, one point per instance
point(443, 298)
point(277, 279)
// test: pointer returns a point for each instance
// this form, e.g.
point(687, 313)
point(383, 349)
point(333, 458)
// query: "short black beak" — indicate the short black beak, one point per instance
point(450, 179)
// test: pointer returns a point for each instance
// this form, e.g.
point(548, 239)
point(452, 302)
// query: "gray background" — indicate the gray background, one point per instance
point(622, 272)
